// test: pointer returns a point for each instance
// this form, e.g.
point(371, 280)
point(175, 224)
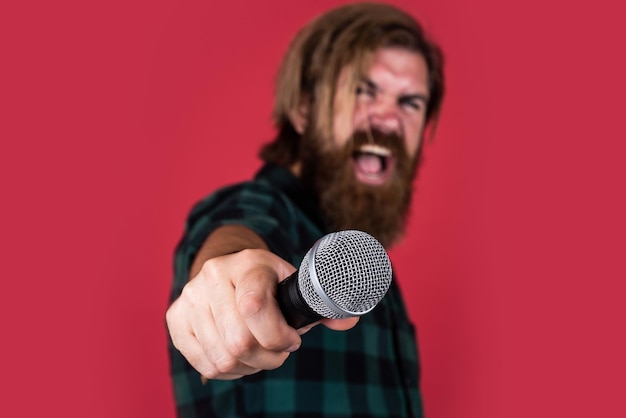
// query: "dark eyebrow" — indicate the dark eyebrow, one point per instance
point(370, 84)
point(417, 96)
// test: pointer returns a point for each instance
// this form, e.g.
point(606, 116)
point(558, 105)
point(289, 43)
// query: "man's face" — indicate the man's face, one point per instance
point(363, 176)
point(392, 98)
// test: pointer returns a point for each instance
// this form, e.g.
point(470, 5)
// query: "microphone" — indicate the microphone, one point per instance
point(344, 274)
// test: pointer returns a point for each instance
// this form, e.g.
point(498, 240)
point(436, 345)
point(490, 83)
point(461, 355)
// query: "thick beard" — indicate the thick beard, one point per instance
point(345, 202)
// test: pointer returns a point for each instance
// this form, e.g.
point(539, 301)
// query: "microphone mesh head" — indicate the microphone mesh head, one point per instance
point(345, 274)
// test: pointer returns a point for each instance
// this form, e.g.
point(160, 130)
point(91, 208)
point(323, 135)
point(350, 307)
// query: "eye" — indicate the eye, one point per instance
point(364, 90)
point(410, 103)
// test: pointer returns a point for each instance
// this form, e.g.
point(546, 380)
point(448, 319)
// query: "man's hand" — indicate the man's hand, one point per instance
point(227, 322)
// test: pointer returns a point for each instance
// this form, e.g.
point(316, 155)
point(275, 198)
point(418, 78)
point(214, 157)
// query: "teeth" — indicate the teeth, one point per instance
point(375, 149)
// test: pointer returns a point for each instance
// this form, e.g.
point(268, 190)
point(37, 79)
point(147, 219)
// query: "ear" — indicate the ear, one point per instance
point(299, 116)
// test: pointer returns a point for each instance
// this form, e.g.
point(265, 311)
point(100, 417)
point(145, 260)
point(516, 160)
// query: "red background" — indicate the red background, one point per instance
point(116, 117)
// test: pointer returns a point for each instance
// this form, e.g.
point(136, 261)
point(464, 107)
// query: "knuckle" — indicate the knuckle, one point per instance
point(239, 347)
point(275, 344)
point(249, 253)
point(170, 315)
point(209, 268)
point(195, 358)
point(251, 303)
point(173, 325)
point(208, 371)
point(189, 293)
point(278, 361)
point(225, 364)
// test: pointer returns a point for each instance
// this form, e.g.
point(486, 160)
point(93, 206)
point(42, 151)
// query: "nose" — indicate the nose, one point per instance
point(383, 115)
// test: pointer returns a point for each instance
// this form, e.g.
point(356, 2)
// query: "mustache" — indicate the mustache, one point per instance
point(392, 141)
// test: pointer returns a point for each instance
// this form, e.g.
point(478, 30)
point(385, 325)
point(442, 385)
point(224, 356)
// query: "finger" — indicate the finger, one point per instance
point(204, 380)
point(256, 300)
point(340, 324)
point(194, 334)
point(334, 324)
point(197, 358)
point(222, 361)
point(185, 341)
point(235, 337)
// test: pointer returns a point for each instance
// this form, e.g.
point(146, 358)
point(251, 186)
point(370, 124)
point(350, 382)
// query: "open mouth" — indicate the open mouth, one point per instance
point(373, 164)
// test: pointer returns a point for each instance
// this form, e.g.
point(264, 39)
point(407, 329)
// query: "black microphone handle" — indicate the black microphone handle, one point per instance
point(293, 306)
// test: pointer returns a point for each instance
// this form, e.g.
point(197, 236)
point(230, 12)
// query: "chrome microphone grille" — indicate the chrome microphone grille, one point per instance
point(346, 273)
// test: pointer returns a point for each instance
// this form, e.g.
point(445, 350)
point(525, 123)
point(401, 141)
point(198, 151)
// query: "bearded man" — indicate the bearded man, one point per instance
point(356, 91)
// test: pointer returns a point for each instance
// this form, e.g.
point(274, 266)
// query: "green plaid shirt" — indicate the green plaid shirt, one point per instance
point(369, 371)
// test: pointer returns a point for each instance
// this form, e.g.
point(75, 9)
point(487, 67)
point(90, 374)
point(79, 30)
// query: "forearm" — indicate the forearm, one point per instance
point(224, 240)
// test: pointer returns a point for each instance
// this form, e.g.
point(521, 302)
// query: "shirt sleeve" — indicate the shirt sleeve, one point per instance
point(254, 205)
